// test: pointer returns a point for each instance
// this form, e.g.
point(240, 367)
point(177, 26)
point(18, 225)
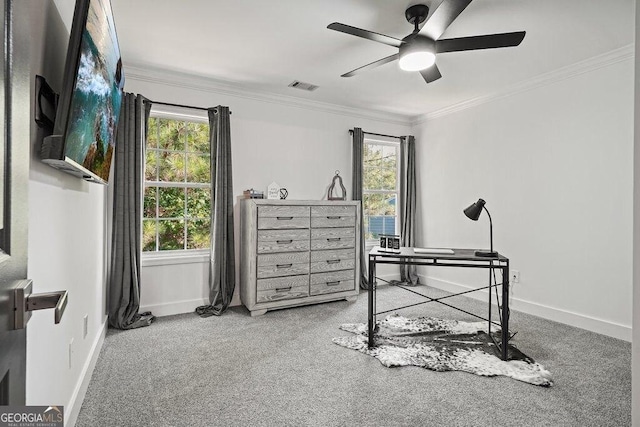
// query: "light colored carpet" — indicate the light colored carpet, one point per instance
point(283, 369)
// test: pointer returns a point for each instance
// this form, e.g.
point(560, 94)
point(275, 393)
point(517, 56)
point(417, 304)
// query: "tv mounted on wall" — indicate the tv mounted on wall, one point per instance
point(83, 138)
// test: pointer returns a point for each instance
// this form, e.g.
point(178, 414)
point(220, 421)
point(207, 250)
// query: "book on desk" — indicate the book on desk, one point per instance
point(433, 251)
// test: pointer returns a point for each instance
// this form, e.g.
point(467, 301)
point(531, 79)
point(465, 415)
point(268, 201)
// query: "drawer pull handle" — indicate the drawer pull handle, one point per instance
point(334, 217)
point(284, 218)
point(284, 265)
point(333, 261)
point(284, 242)
point(336, 283)
point(287, 289)
point(333, 239)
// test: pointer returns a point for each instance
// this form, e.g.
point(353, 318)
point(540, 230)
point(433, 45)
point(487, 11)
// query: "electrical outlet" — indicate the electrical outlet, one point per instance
point(70, 352)
point(515, 276)
point(85, 326)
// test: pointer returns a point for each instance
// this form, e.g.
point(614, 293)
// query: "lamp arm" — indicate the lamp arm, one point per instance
point(490, 227)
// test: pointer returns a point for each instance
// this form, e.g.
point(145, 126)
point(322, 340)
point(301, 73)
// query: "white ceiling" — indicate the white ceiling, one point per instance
point(264, 45)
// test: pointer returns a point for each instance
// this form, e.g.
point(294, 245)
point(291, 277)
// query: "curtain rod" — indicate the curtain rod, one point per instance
point(379, 134)
point(180, 105)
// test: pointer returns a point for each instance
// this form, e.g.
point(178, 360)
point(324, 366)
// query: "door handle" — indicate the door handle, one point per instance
point(25, 302)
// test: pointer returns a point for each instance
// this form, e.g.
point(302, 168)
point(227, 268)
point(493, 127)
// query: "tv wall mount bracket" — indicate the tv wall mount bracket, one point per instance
point(46, 105)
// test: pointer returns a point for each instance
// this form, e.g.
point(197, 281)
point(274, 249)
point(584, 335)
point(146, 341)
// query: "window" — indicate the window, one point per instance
point(380, 188)
point(177, 194)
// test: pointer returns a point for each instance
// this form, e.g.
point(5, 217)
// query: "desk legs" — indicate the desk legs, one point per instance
point(505, 311)
point(372, 297)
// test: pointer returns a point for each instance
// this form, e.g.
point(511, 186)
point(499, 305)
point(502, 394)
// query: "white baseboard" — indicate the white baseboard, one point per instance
point(582, 321)
point(174, 307)
point(73, 408)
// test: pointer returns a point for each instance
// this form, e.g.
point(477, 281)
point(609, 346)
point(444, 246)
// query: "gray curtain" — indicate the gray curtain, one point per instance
point(408, 273)
point(127, 181)
point(222, 281)
point(356, 185)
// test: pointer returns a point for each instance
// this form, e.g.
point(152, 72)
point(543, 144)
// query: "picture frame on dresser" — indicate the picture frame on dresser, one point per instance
point(298, 252)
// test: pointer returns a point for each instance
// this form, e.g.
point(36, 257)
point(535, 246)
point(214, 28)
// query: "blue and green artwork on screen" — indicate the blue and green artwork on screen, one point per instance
point(97, 94)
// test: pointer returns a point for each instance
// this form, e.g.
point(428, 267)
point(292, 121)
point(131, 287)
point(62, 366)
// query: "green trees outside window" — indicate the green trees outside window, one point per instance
point(177, 195)
point(380, 188)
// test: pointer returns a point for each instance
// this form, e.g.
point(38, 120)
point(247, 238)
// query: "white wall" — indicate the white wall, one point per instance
point(635, 371)
point(66, 237)
point(555, 165)
point(298, 146)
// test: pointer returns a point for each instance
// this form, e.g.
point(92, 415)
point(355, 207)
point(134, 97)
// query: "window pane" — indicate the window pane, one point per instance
point(198, 168)
point(379, 214)
point(380, 167)
point(172, 134)
point(152, 133)
point(198, 202)
point(148, 235)
point(389, 166)
point(171, 202)
point(171, 234)
point(151, 165)
point(198, 139)
point(198, 234)
point(171, 166)
point(150, 197)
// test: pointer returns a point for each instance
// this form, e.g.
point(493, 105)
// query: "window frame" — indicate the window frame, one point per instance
point(370, 243)
point(173, 256)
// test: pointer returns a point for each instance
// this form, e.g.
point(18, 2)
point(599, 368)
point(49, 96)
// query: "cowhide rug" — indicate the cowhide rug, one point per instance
point(443, 345)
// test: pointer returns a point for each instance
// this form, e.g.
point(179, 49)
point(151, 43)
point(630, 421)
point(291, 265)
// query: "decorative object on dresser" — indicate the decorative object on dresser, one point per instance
point(298, 252)
point(283, 193)
point(253, 194)
point(330, 195)
point(273, 191)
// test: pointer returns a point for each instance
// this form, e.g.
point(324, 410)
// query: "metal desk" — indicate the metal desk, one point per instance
point(464, 258)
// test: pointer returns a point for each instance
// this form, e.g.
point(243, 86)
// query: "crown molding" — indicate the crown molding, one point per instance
point(600, 61)
point(200, 83)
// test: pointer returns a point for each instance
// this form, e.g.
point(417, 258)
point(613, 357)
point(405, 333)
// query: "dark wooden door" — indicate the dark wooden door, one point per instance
point(14, 175)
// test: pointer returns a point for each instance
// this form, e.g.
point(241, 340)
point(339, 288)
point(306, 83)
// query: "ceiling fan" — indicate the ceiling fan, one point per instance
point(417, 51)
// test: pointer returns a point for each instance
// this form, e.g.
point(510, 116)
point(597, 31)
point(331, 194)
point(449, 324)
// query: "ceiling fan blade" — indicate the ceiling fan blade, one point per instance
point(442, 17)
point(365, 34)
point(431, 74)
point(489, 41)
point(374, 64)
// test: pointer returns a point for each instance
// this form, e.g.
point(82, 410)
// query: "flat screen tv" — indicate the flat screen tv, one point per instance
point(83, 138)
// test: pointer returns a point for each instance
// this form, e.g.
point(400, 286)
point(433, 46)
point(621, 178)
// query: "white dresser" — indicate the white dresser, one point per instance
point(297, 252)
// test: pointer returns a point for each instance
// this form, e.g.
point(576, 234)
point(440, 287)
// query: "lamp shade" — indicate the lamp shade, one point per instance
point(474, 210)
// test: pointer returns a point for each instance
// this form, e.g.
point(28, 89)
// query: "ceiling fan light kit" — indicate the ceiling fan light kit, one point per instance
point(417, 51)
point(417, 54)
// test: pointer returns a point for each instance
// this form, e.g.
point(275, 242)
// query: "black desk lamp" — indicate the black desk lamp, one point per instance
point(473, 212)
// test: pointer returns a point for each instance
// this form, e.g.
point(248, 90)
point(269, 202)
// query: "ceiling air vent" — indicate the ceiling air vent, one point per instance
point(302, 85)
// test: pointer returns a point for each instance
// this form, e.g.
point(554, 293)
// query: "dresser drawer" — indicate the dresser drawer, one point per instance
point(338, 281)
point(333, 210)
point(332, 238)
point(282, 211)
point(280, 217)
point(283, 264)
point(272, 241)
point(332, 260)
point(277, 223)
point(333, 216)
point(282, 288)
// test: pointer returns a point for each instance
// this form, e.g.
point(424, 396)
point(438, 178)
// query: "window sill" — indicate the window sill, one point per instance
point(155, 259)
